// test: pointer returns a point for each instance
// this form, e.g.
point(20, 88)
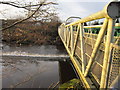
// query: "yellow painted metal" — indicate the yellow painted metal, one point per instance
point(99, 26)
point(98, 64)
point(76, 39)
point(99, 15)
point(77, 66)
point(115, 65)
point(65, 34)
point(115, 83)
point(117, 24)
point(87, 55)
point(91, 37)
point(68, 38)
point(109, 40)
point(98, 81)
point(72, 39)
point(70, 43)
point(96, 47)
point(82, 49)
point(116, 46)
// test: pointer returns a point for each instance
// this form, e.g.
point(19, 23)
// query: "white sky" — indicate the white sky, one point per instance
point(66, 8)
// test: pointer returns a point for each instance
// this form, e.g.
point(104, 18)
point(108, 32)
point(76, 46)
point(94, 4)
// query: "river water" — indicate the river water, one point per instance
point(35, 66)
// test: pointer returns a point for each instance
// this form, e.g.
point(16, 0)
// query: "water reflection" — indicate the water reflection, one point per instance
point(29, 72)
point(32, 72)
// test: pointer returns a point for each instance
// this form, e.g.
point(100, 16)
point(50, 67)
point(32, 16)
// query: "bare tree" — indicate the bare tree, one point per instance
point(41, 10)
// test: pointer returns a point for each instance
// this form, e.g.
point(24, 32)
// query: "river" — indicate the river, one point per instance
point(43, 66)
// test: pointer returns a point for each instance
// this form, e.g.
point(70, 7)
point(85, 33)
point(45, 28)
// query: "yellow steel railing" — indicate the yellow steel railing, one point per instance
point(93, 55)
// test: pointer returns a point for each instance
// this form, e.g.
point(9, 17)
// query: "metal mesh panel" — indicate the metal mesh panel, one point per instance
point(89, 44)
point(97, 70)
point(97, 67)
point(115, 66)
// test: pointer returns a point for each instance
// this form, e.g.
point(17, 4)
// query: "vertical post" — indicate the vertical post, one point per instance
point(91, 39)
point(82, 48)
point(65, 35)
point(96, 47)
point(109, 40)
point(109, 64)
point(62, 32)
point(72, 42)
point(76, 39)
point(69, 36)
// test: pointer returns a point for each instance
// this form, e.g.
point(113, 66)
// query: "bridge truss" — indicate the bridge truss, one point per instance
point(95, 55)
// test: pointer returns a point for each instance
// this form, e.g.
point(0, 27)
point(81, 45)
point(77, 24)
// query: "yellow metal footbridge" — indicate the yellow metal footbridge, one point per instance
point(95, 55)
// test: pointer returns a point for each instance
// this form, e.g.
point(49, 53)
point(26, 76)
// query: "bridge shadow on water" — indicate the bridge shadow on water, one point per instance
point(35, 67)
point(27, 72)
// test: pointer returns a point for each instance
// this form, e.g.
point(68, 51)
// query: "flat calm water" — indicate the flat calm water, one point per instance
point(35, 67)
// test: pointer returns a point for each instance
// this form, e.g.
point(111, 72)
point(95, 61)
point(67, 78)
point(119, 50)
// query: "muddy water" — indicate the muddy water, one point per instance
point(35, 66)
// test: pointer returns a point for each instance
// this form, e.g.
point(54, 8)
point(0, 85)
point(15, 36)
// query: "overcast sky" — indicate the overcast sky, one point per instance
point(65, 8)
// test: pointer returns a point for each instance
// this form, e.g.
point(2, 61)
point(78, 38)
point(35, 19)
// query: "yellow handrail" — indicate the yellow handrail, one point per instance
point(72, 39)
point(107, 12)
point(99, 26)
